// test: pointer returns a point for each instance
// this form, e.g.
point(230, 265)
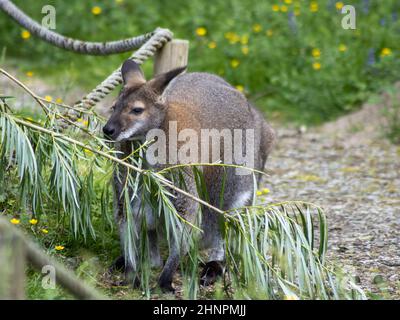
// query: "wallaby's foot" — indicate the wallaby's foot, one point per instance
point(211, 271)
point(118, 265)
point(166, 286)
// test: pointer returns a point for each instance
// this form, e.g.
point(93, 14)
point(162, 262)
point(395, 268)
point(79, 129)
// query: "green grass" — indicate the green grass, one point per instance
point(271, 52)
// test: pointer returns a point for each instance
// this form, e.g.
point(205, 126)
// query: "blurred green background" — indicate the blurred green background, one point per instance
point(292, 58)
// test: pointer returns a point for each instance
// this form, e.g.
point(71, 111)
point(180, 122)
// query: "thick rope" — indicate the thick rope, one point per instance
point(149, 43)
point(159, 38)
point(91, 48)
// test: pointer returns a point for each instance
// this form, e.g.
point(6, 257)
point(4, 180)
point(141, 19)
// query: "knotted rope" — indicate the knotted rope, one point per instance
point(148, 44)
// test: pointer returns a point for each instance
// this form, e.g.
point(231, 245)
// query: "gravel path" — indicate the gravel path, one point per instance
point(358, 185)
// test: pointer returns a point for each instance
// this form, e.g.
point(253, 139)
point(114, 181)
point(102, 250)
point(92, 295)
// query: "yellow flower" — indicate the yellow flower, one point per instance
point(284, 8)
point(232, 37)
point(96, 10)
point(275, 8)
point(235, 63)
point(59, 248)
point(244, 39)
point(316, 53)
point(48, 98)
point(297, 12)
point(45, 231)
point(29, 119)
point(339, 5)
point(245, 50)
point(240, 88)
point(59, 100)
point(25, 34)
point(259, 193)
point(342, 47)
point(316, 66)
point(288, 1)
point(269, 33)
point(314, 6)
point(265, 191)
point(386, 52)
point(85, 123)
point(15, 221)
point(212, 45)
point(29, 74)
point(257, 28)
point(33, 221)
point(88, 152)
point(201, 32)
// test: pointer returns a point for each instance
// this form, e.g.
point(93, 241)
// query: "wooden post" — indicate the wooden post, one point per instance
point(174, 54)
point(16, 250)
point(12, 263)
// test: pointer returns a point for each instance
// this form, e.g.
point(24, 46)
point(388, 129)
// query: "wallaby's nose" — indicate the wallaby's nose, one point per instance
point(108, 130)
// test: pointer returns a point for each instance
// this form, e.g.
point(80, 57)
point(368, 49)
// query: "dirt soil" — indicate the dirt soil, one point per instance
point(354, 174)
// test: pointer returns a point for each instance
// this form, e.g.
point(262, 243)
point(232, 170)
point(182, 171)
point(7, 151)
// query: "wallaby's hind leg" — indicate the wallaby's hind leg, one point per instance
point(214, 266)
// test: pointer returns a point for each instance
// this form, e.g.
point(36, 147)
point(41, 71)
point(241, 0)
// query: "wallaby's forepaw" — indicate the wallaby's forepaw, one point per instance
point(117, 265)
point(211, 271)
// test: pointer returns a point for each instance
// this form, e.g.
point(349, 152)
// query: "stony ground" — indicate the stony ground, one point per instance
point(349, 170)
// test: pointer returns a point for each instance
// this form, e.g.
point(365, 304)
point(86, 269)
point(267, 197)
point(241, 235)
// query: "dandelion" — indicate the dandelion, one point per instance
point(284, 8)
point(232, 37)
point(257, 28)
point(342, 47)
point(29, 74)
point(288, 1)
point(259, 193)
point(245, 50)
point(25, 34)
point(316, 66)
point(96, 10)
point(240, 88)
point(316, 53)
point(265, 191)
point(85, 123)
point(275, 8)
point(59, 100)
point(339, 5)
point(244, 39)
point(59, 248)
point(201, 31)
point(48, 98)
point(88, 152)
point(314, 6)
point(269, 33)
point(15, 221)
point(45, 231)
point(386, 52)
point(33, 221)
point(235, 63)
point(212, 45)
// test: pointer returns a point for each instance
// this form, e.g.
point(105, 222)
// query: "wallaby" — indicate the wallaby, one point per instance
point(193, 101)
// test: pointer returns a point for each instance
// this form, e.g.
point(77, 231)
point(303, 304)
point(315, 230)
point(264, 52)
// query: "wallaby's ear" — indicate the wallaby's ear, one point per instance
point(160, 82)
point(132, 74)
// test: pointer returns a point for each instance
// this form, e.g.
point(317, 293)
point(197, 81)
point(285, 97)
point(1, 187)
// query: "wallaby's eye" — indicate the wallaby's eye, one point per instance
point(137, 111)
